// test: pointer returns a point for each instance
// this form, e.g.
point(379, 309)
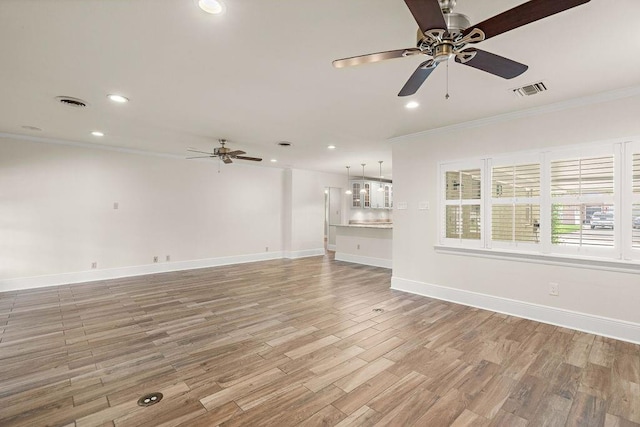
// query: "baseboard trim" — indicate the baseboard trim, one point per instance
point(358, 259)
point(138, 270)
point(304, 254)
point(607, 327)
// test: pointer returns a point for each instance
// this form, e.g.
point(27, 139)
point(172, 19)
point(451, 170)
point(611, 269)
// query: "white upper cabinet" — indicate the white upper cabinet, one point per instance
point(372, 198)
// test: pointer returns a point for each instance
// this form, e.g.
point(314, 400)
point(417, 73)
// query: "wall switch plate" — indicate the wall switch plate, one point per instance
point(116, 205)
point(94, 265)
point(266, 248)
point(358, 247)
point(168, 258)
point(554, 289)
point(423, 206)
point(155, 259)
point(401, 205)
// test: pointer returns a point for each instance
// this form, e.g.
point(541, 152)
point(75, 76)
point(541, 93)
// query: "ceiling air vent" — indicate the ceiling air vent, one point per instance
point(71, 102)
point(531, 89)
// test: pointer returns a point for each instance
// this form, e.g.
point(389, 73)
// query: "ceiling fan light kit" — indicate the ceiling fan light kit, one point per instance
point(445, 35)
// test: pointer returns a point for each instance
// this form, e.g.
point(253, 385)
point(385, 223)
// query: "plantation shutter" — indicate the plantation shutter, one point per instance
point(463, 200)
point(515, 203)
point(582, 209)
point(635, 206)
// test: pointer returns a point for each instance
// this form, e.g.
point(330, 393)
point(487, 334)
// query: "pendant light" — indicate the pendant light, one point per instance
point(363, 190)
point(348, 182)
point(380, 179)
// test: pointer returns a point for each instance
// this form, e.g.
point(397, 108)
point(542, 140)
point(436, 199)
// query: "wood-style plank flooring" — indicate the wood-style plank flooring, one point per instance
point(296, 342)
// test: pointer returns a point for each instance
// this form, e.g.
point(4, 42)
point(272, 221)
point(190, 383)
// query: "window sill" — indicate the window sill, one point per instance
point(594, 263)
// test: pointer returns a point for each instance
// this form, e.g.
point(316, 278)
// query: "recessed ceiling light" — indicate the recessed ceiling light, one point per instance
point(118, 98)
point(97, 133)
point(274, 160)
point(412, 104)
point(331, 147)
point(214, 7)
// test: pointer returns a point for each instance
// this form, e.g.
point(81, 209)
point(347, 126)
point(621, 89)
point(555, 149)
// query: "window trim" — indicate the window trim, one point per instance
point(621, 257)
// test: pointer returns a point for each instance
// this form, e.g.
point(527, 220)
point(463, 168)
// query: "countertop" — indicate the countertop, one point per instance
point(372, 225)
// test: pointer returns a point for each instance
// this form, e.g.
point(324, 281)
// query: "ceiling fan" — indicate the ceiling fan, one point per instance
point(445, 35)
point(223, 153)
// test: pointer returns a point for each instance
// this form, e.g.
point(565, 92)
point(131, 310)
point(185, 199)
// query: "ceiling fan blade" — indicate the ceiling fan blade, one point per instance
point(492, 63)
point(418, 77)
point(427, 14)
point(199, 157)
point(235, 153)
point(524, 14)
point(198, 151)
point(227, 159)
point(253, 159)
point(374, 57)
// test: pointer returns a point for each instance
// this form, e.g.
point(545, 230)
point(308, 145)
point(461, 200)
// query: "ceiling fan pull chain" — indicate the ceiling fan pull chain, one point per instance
point(447, 95)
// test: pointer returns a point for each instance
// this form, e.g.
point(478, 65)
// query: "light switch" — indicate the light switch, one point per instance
point(401, 205)
point(423, 206)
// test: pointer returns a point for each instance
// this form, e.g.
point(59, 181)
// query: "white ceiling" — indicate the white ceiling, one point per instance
point(261, 73)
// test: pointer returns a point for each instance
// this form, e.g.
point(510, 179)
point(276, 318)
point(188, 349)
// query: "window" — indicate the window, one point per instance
point(582, 206)
point(515, 204)
point(635, 197)
point(573, 201)
point(463, 204)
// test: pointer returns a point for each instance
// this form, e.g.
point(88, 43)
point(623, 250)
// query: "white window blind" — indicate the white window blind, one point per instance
point(463, 204)
point(635, 200)
point(582, 202)
point(515, 203)
point(579, 201)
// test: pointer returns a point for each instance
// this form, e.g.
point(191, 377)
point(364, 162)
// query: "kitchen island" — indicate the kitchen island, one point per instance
point(365, 243)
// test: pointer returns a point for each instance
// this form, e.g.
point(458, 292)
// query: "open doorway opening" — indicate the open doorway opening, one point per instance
point(332, 216)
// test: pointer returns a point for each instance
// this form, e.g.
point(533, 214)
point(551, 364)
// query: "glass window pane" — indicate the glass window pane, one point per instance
point(502, 180)
point(502, 222)
point(453, 185)
point(635, 230)
point(576, 177)
point(470, 184)
point(636, 173)
point(581, 225)
point(527, 223)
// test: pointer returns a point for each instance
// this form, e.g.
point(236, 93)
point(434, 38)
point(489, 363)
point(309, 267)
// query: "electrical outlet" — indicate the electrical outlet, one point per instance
point(266, 248)
point(94, 265)
point(155, 258)
point(116, 205)
point(358, 246)
point(168, 258)
point(554, 289)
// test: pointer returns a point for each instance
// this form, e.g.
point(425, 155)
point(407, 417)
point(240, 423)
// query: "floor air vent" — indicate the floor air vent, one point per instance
point(531, 89)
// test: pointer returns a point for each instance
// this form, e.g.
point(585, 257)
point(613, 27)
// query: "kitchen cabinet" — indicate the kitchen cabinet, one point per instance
point(371, 198)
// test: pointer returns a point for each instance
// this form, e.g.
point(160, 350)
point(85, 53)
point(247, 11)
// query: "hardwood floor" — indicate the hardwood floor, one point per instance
point(296, 342)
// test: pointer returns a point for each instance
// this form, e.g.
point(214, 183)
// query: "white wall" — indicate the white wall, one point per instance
point(306, 195)
point(589, 298)
point(58, 215)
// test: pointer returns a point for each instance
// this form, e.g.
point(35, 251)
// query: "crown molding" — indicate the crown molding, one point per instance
point(598, 98)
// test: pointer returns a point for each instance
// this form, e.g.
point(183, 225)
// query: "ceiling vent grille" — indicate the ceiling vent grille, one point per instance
point(71, 102)
point(531, 89)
